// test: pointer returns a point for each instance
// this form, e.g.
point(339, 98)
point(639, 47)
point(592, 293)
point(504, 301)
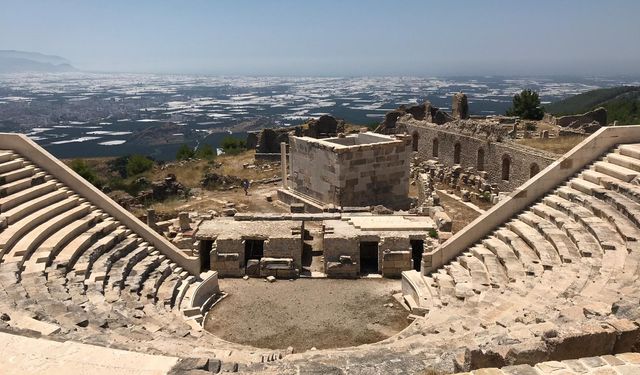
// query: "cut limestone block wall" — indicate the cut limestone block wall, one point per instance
point(450, 148)
point(342, 239)
point(357, 170)
point(394, 262)
point(281, 244)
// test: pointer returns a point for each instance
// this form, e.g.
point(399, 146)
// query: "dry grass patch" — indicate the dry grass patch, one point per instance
point(558, 145)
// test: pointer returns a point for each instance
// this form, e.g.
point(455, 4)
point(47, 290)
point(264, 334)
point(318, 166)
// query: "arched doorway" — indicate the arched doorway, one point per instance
point(456, 153)
point(506, 167)
point(480, 160)
point(414, 141)
point(434, 151)
point(534, 170)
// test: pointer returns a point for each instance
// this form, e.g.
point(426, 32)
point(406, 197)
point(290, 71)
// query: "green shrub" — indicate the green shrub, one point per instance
point(433, 233)
point(119, 165)
point(185, 152)
point(85, 171)
point(205, 152)
point(232, 145)
point(526, 105)
point(138, 164)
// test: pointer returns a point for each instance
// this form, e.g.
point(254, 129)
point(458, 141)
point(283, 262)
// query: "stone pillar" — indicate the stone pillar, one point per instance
point(460, 106)
point(184, 222)
point(151, 218)
point(283, 163)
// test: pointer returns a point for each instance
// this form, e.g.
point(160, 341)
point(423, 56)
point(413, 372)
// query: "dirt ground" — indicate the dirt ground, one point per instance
point(458, 212)
point(306, 313)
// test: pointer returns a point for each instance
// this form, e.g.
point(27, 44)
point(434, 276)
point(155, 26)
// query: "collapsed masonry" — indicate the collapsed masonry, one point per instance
point(267, 141)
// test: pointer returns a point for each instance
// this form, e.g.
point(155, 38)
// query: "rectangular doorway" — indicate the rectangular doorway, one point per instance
point(205, 255)
point(253, 249)
point(417, 247)
point(368, 258)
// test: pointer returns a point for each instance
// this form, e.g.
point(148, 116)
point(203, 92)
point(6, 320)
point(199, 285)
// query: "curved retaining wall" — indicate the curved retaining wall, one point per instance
point(49, 163)
point(557, 172)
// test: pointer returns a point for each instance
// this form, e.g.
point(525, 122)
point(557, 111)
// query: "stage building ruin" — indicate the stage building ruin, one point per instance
point(356, 170)
point(255, 248)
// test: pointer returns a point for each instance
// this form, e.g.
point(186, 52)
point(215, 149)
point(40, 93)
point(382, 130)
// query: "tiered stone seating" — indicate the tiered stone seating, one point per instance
point(68, 269)
point(564, 263)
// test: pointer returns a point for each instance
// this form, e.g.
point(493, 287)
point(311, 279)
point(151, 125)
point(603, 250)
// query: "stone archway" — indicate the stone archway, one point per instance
point(506, 167)
point(534, 169)
point(480, 160)
point(415, 138)
point(457, 150)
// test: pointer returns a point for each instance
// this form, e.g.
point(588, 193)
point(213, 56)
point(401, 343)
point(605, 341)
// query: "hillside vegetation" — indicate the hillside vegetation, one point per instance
point(622, 104)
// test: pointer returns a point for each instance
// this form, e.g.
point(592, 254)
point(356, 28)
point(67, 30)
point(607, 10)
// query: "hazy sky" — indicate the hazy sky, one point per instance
point(331, 37)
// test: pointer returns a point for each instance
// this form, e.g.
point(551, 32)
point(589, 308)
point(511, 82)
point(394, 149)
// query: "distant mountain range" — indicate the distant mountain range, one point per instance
point(20, 62)
point(622, 104)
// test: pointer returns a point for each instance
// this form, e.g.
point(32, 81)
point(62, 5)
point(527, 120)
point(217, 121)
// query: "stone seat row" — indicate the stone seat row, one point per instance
point(69, 269)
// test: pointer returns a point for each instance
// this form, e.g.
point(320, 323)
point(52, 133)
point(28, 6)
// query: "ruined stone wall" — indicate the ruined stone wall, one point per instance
point(284, 248)
point(522, 161)
point(359, 175)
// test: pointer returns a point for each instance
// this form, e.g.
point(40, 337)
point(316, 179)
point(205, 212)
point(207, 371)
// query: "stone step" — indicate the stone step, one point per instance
point(514, 268)
point(17, 174)
point(102, 265)
point(53, 244)
point(18, 185)
point(84, 265)
point(31, 240)
point(624, 161)
point(545, 251)
point(122, 267)
point(585, 186)
point(615, 171)
point(33, 205)
point(560, 241)
point(582, 239)
point(11, 165)
point(72, 251)
point(6, 156)
point(10, 235)
point(607, 237)
point(526, 255)
point(26, 195)
point(630, 150)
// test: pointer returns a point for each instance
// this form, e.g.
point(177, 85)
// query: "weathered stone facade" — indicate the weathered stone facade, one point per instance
point(357, 170)
point(390, 238)
point(227, 242)
point(507, 164)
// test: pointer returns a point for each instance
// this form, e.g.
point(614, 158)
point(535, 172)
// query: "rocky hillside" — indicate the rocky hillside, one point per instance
point(622, 104)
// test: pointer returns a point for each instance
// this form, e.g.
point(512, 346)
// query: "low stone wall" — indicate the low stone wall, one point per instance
point(205, 292)
point(454, 148)
point(557, 172)
point(49, 163)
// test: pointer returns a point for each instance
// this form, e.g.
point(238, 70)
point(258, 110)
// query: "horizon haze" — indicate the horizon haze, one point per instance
point(331, 38)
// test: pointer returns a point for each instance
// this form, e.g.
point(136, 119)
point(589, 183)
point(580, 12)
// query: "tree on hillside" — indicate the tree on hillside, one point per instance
point(232, 146)
point(526, 105)
point(85, 171)
point(138, 164)
point(205, 151)
point(185, 152)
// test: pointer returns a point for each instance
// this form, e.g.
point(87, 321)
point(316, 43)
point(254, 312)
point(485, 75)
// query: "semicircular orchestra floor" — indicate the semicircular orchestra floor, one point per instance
point(307, 313)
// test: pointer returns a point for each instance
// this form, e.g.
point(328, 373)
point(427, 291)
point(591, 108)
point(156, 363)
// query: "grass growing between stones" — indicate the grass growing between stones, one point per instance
point(558, 145)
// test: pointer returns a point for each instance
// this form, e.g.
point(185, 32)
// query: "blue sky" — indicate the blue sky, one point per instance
point(330, 37)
